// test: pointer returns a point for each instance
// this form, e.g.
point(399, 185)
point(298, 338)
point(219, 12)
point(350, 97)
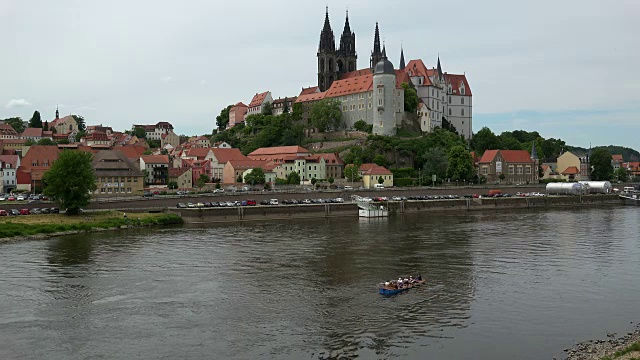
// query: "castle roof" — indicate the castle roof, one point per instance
point(351, 85)
point(311, 97)
point(309, 90)
point(455, 80)
point(258, 99)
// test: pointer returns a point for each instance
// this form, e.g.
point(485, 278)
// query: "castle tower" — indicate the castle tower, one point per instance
point(376, 54)
point(327, 57)
point(384, 86)
point(347, 53)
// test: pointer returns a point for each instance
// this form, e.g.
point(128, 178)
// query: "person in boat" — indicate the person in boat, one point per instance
point(400, 284)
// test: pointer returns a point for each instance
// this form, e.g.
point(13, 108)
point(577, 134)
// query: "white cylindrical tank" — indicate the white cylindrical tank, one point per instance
point(564, 189)
point(598, 187)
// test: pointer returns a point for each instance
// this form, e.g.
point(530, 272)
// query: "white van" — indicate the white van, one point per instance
point(378, 186)
point(273, 202)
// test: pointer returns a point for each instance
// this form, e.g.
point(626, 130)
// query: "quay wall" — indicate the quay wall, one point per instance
point(262, 213)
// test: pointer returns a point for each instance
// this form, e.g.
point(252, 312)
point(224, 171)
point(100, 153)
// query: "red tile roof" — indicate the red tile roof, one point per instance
point(155, 159)
point(510, 156)
point(455, 81)
point(360, 72)
point(367, 167)
point(352, 85)
point(617, 157)
point(279, 150)
point(571, 170)
point(258, 99)
point(39, 154)
point(247, 164)
point(378, 170)
point(132, 152)
point(32, 132)
point(240, 104)
point(11, 159)
point(309, 90)
point(6, 129)
point(14, 141)
point(330, 158)
point(225, 155)
point(416, 68)
point(199, 153)
point(177, 172)
point(311, 97)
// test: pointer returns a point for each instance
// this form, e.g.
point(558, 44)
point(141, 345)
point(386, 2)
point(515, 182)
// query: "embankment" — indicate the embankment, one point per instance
point(258, 213)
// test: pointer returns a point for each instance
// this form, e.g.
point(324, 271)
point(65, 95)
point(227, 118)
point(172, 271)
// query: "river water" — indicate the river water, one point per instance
point(501, 285)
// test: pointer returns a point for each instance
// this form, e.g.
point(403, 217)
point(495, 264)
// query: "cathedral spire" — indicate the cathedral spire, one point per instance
point(384, 51)
point(402, 64)
point(57, 113)
point(327, 40)
point(440, 68)
point(376, 54)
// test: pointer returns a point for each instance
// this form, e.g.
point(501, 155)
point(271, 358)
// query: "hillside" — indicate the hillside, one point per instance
point(628, 154)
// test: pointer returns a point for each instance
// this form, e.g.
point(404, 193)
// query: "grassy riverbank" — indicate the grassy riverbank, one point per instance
point(15, 226)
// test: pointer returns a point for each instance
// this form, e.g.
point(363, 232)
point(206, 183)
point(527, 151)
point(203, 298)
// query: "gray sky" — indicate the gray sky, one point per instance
point(564, 68)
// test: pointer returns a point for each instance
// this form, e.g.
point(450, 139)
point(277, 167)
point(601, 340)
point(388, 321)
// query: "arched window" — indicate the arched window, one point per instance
point(449, 111)
point(462, 112)
point(449, 99)
point(462, 100)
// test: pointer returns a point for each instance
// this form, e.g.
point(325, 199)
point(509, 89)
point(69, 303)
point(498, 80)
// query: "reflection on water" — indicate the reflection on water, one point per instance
point(500, 285)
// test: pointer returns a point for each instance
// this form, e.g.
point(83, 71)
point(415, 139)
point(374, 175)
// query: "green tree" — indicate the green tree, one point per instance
point(484, 140)
point(435, 163)
point(29, 142)
point(36, 121)
point(138, 132)
point(154, 144)
point(202, 180)
point(80, 135)
point(285, 106)
point(331, 180)
point(217, 185)
point(267, 108)
point(502, 176)
point(380, 160)
point(600, 162)
point(410, 98)
point(71, 180)
point(325, 115)
point(80, 122)
point(172, 185)
point(223, 119)
point(361, 125)
point(380, 180)
point(622, 175)
point(460, 164)
point(46, 141)
point(239, 178)
point(45, 127)
point(147, 152)
point(351, 173)
point(314, 181)
point(293, 178)
point(256, 176)
point(62, 141)
point(16, 123)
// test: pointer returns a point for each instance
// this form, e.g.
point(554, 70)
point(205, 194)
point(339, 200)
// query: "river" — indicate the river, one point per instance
point(501, 285)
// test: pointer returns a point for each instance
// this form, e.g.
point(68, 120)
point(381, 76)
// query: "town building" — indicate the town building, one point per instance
point(7, 132)
point(572, 167)
point(300, 160)
point(155, 132)
point(99, 128)
point(9, 165)
point(258, 101)
point(37, 160)
point(181, 176)
point(170, 138)
point(616, 161)
point(97, 138)
point(116, 174)
point(235, 170)
point(157, 169)
point(517, 166)
point(279, 106)
point(237, 114)
point(36, 134)
point(221, 145)
point(372, 173)
point(198, 167)
point(64, 126)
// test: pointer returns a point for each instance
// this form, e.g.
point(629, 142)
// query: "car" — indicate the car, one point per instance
point(191, 205)
point(181, 206)
point(207, 204)
point(396, 198)
point(339, 200)
point(251, 202)
point(45, 211)
point(218, 191)
point(200, 205)
point(11, 198)
point(35, 211)
point(156, 192)
point(273, 202)
point(25, 212)
point(231, 203)
point(14, 212)
point(180, 193)
point(20, 198)
point(264, 202)
point(147, 194)
point(348, 187)
point(3, 198)
point(4, 213)
point(306, 201)
point(54, 210)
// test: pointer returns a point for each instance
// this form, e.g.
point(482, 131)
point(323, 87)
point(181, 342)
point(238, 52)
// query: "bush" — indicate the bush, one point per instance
point(402, 182)
point(403, 172)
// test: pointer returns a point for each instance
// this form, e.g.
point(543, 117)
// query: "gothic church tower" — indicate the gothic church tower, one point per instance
point(331, 62)
point(347, 56)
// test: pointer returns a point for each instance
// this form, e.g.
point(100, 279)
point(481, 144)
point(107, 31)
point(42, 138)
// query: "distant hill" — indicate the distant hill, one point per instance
point(628, 154)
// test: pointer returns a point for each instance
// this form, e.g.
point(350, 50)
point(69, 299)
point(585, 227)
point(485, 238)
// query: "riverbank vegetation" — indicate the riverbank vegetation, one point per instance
point(633, 348)
point(59, 223)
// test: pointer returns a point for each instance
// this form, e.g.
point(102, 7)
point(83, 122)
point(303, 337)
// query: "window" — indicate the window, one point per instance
point(519, 169)
point(528, 170)
point(485, 170)
point(380, 90)
point(379, 102)
point(449, 111)
point(370, 105)
point(361, 96)
point(462, 112)
point(510, 169)
point(462, 100)
point(370, 94)
point(449, 98)
point(344, 108)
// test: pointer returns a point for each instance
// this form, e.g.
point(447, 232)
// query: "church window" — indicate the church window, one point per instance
point(449, 111)
point(379, 102)
point(462, 100)
point(449, 99)
point(370, 105)
point(462, 112)
point(380, 89)
point(370, 94)
point(361, 96)
point(462, 91)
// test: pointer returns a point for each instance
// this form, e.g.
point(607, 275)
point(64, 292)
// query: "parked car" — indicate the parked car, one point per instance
point(54, 210)
point(339, 200)
point(273, 202)
point(181, 206)
point(180, 193)
point(14, 212)
point(20, 198)
point(191, 205)
point(200, 205)
point(251, 203)
point(45, 210)
point(156, 192)
point(11, 198)
point(25, 212)
point(35, 211)
point(4, 213)
point(264, 202)
point(147, 194)
point(218, 191)
point(3, 197)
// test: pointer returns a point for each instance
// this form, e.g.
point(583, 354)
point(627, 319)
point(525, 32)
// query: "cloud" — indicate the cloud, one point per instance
point(203, 82)
point(166, 79)
point(17, 103)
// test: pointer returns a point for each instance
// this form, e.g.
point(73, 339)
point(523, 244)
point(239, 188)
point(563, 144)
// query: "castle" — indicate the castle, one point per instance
point(375, 94)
